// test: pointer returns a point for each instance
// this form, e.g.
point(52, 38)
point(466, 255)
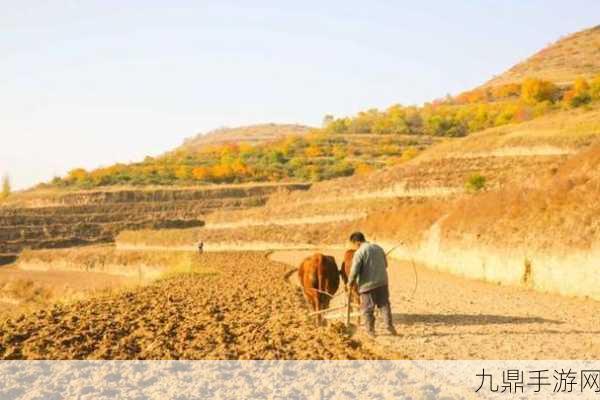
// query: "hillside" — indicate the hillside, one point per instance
point(576, 55)
point(561, 77)
point(250, 134)
point(416, 162)
point(54, 219)
point(311, 157)
point(485, 203)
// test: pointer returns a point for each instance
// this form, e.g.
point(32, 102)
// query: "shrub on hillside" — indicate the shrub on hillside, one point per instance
point(595, 88)
point(6, 188)
point(536, 90)
point(579, 94)
point(475, 183)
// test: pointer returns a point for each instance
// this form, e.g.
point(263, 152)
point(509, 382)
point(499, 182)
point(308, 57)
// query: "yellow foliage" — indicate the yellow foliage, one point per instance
point(536, 90)
point(510, 89)
point(363, 169)
point(338, 151)
point(245, 148)
point(210, 149)
point(595, 88)
point(183, 172)
point(222, 171)
point(580, 86)
point(409, 154)
point(239, 168)
point(77, 174)
point(312, 151)
point(201, 173)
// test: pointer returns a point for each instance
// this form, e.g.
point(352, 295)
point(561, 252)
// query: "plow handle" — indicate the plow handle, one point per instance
point(348, 308)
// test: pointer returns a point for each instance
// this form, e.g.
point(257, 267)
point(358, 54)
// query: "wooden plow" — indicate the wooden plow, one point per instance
point(347, 306)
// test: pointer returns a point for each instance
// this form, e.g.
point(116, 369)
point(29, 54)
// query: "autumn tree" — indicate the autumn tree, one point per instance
point(239, 168)
point(201, 173)
point(340, 125)
point(579, 94)
point(507, 90)
point(595, 88)
point(222, 172)
point(77, 175)
point(312, 151)
point(6, 188)
point(183, 172)
point(363, 169)
point(536, 90)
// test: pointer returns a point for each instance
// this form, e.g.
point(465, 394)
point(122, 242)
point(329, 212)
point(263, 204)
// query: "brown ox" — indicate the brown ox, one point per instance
point(345, 273)
point(319, 277)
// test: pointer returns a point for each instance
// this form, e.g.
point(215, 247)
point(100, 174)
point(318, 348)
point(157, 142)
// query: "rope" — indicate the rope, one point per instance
point(330, 295)
point(412, 261)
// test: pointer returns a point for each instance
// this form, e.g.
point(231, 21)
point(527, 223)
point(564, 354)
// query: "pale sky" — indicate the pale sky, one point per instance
point(90, 83)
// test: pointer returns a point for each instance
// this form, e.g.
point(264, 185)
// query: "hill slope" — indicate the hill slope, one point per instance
point(371, 139)
point(252, 134)
point(562, 62)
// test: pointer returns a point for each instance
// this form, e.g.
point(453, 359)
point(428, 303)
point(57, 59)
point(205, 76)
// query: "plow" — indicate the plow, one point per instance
point(348, 304)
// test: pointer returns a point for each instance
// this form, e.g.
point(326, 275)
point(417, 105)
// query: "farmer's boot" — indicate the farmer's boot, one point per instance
point(387, 319)
point(370, 323)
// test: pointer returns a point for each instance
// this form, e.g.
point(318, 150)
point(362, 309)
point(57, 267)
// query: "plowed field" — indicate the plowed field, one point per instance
point(233, 306)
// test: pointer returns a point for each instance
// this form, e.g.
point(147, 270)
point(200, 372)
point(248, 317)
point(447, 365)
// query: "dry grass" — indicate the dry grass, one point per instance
point(557, 133)
point(62, 219)
point(106, 259)
point(45, 197)
point(504, 155)
point(570, 57)
point(253, 134)
point(45, 277)
point(560, 212)
point(298, 234)
point(554, 210)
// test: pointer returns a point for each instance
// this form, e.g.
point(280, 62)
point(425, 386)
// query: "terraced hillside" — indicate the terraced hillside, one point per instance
point(514, 205)
point(71, 218)
point(327, 212)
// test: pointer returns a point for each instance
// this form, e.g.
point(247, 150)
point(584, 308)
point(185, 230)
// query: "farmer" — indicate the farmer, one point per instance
point(200, 247)
point(369, 269)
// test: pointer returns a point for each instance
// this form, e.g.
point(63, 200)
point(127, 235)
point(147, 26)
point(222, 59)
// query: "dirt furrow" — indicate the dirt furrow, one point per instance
point(235, 306)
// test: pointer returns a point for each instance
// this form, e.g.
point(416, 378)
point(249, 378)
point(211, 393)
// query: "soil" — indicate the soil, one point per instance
point(236, 306)
point(455, 318)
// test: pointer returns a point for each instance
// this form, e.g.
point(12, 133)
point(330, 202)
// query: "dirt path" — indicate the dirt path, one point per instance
point(455, 318)
point(236, 306)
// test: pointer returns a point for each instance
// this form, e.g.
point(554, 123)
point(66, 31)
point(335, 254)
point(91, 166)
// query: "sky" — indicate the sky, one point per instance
point(91, 83)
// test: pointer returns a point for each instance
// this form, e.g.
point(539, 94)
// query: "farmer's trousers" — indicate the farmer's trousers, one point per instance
point(380, 298)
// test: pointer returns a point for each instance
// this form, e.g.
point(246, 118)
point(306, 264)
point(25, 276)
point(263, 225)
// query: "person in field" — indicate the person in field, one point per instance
point(200, 247)
point(369, 270)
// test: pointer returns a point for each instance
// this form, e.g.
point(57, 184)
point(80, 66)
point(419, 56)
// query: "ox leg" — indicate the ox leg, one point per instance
point(318, 308)
point(311, 303)
point(307, 299)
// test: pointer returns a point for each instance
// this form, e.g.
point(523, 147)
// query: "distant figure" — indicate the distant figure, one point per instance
point(369, 269)
point(200, 247)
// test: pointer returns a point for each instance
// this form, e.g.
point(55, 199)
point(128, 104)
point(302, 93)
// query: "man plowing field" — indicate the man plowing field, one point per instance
point(369, 269)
